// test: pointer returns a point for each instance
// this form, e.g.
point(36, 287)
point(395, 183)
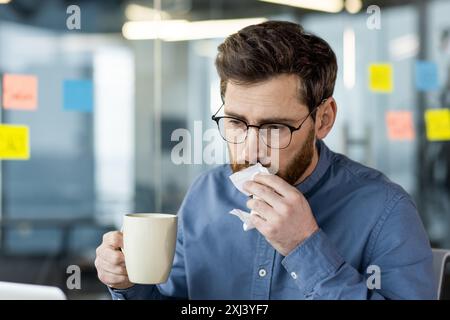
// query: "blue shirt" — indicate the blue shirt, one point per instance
point(367, 224)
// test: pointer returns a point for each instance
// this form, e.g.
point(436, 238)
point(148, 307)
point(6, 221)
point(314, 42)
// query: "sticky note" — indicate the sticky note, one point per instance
point(20, 92)
point(437, 123)
point(400, 125)
point(14, 142)
point(426, 76)
point(381, 78)
point(78, 95)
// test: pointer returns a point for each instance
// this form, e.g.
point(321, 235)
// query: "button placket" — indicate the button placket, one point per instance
point(262, 269)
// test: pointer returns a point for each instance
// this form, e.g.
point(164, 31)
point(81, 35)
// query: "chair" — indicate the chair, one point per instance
point(441, 258)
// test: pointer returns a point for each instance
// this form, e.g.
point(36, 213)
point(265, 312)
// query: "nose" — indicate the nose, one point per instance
point(251, 146)
point(254, 149)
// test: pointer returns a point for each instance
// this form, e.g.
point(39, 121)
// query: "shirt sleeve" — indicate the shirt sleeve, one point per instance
point(136, 292)
point(399, 249)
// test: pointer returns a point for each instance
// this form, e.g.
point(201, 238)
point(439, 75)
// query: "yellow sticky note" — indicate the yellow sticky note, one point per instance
point(20, 92)
point(437, 124)
point(14, 142)
point(381, 78)
point(400, 125)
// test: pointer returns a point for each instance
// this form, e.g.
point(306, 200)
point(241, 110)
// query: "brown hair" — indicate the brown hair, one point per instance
point(259, 52)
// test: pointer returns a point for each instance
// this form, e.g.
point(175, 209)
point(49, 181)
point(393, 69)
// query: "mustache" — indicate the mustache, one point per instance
point(241, 166)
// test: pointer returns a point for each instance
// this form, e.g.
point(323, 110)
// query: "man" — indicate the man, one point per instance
point(322, 222)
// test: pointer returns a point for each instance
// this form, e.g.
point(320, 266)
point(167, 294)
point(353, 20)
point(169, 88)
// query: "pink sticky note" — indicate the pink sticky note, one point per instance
point(20, 92)
point(400, 125)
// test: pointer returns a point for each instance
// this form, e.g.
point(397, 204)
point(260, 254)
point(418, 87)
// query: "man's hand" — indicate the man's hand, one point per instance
point(283, 216)
point(110, 262)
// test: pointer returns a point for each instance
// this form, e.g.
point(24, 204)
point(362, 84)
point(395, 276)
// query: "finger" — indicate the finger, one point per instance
point(263, 192)
point(263, 209)
point(113, 239)
point(115, 257)
point(104, 265)
point(253, 212)
point(260, 224)
point(276, 183)
point(112, 279)
point(268, 195)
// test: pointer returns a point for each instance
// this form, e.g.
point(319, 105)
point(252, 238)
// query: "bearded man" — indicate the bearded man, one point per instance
point(323, 223)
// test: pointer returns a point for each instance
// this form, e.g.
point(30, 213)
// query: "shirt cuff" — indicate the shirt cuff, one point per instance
point(125, 294)
point(312, 261)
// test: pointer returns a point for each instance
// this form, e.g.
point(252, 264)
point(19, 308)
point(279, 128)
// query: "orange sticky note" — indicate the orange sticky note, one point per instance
point(20, 92)
point(400, 125)
point(14, 142)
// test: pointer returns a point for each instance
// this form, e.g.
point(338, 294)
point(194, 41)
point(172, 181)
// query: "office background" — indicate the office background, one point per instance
point(148, 77)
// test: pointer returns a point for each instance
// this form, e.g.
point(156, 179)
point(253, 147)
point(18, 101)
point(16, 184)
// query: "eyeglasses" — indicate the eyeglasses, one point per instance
point(273, 135)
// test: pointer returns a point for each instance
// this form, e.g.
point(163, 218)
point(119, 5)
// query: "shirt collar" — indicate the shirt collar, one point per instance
point(325, 157)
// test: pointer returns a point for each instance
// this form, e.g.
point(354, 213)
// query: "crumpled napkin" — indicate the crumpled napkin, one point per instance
point(238, 179)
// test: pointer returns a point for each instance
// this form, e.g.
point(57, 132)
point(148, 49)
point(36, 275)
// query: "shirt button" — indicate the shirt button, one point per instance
point(293, 275)
point(262, 273)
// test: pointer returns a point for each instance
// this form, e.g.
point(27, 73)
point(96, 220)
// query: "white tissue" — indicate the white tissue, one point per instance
point(245, 218)
point(238, 179)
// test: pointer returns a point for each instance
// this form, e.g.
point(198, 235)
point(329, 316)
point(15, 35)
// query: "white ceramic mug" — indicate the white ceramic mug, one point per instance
point(149, 241)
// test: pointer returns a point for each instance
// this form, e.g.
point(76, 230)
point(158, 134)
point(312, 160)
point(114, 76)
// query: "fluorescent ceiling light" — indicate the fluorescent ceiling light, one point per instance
point(181, 30)
point(5, 1)
point(135, 12)
point(349, 58)
point(353, 6)
point(319, 5)
point(404, 47)
point(150, 30)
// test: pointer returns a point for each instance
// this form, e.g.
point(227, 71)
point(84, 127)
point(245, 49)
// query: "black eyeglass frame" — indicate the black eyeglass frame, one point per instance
point(291, 128)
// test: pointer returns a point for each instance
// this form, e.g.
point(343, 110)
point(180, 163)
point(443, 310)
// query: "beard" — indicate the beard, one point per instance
point(295, 168)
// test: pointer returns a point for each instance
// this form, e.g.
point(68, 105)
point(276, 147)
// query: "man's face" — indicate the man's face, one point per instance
point(273, 101)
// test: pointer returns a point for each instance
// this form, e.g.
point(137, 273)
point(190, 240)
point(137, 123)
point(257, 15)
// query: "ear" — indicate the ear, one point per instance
point(325, 117)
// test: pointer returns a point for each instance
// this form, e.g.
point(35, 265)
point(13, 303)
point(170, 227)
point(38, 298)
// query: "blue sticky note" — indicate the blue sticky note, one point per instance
point(426, 76)
point(78, 95)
